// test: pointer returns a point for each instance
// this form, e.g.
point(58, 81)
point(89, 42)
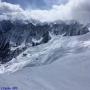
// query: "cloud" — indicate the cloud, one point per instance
point(80, 10)
point(28, 3)
point(35, 4)
point(73, 9)
point(61, 12)
point(13, 12)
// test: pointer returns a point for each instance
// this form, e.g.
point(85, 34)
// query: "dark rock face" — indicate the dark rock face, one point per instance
point(16, 33)
point(4, 49)
point(71, 29)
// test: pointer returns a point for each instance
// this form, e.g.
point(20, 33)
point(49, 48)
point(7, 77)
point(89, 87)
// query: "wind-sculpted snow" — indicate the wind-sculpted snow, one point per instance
point(57, 48)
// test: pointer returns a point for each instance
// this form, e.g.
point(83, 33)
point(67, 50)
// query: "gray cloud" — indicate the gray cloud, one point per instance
point(81, 10)
point(13, 12)
point(28, 3)
point(33, 4)
point(74, 9)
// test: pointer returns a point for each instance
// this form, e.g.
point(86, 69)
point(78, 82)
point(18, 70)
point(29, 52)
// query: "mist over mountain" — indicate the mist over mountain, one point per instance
point(45, 44)
point(21, 25)
point(71, 10)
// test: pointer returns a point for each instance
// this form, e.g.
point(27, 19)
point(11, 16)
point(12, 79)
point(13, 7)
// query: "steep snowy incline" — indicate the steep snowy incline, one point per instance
point(70, 71)
point(57, 48)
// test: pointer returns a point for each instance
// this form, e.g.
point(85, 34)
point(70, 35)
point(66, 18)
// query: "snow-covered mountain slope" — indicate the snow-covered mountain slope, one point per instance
point(57, 48)
point(14, 34)
point(61, 64)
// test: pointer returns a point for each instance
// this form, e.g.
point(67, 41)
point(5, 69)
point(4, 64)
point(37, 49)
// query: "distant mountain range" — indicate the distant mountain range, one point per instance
point(16, 33)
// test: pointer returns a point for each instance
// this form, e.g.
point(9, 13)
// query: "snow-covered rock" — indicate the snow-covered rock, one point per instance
point(18, 33)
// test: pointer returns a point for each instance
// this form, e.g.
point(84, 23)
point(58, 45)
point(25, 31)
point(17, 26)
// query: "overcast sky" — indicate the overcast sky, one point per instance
point(42, 4)
point(52, 10)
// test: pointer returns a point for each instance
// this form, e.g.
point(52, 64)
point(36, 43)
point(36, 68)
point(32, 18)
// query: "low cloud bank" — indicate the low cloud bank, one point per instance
point(74, 9)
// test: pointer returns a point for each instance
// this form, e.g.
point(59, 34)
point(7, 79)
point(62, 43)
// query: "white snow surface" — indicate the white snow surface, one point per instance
point(61, 64)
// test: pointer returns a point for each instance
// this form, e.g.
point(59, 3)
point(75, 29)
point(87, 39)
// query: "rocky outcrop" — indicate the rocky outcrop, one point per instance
point(14, 33)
